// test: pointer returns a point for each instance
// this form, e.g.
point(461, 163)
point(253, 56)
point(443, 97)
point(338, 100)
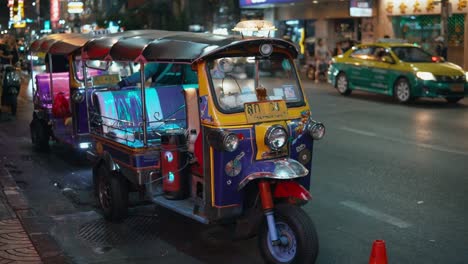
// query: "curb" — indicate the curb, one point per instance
point(45, 245)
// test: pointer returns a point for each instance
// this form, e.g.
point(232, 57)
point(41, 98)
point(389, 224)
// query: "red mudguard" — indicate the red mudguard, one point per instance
point(291, 189)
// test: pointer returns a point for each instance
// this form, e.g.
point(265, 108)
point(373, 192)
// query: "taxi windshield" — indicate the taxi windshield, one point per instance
point(412, 54)
point(236, 81)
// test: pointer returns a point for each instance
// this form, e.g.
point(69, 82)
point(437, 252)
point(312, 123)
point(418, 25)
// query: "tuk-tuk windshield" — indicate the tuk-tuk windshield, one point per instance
point(123, 69)
point(235, 80)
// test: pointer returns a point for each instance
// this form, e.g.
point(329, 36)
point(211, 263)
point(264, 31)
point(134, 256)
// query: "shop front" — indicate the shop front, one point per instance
point(420, 22)
point(304, 22)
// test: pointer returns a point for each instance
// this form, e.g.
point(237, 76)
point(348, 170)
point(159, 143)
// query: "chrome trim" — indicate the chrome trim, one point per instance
point(268, 134)
point(272, 175)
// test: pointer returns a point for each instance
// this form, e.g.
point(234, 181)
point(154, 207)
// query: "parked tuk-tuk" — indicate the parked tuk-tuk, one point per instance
point(221, 132)
point(59, 108)
point(58, 90)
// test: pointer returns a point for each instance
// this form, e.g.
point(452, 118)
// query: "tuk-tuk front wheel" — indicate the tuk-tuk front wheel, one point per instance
point(112, 194)
point(298, 241)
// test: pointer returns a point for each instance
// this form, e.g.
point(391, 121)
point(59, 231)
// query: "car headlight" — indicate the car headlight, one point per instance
point(316, 129)
point(466, 76)
point(426, 76)
point(276, 137)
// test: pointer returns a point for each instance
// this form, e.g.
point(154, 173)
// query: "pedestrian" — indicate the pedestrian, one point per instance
point(11, 78)
point(5, 56)
point(440, 48)
point(322, 56)
point(338, 50)
point(5, 59)
point(11, 88)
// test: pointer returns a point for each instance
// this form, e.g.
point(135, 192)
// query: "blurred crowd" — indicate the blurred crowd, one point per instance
point(8, 50)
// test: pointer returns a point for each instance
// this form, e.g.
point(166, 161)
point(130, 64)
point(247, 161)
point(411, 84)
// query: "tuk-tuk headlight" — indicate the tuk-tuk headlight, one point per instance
point(223, 140)
point(77, 97)
point(276, 137)
point(230, 142)
point(316, 129)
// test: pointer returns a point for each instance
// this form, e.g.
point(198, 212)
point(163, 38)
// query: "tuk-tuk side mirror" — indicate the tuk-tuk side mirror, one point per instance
point(97, 64)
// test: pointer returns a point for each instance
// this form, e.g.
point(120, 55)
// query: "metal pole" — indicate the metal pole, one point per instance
point(87, 99)
point(444, 21)
point(50, 77)
point(143, 102)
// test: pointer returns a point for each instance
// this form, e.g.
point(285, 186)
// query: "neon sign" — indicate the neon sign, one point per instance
point(54, 10)
point(245, 3)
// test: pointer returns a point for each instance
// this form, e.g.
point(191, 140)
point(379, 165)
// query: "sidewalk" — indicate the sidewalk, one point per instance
point(20, 240)
point(15, 245)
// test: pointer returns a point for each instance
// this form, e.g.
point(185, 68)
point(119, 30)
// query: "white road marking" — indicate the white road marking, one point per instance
point(376, 214)
point(406, 142)
point(360, 132)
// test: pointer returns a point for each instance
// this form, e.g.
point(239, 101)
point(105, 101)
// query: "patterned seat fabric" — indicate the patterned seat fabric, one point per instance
point(121, 112)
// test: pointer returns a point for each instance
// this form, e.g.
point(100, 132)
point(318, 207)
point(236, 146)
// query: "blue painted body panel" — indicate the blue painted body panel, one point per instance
point(226, 186)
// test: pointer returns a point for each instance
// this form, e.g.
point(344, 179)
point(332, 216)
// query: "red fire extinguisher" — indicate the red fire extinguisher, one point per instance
point(173, 164)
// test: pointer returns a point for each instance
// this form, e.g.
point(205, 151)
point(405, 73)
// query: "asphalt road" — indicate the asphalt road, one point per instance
point(383, 171)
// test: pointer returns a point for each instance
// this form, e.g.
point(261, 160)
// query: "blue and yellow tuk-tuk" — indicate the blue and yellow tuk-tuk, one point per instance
point(220, 132)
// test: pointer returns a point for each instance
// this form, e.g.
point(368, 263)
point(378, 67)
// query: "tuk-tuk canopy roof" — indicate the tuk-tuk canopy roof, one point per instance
point(170, 46)
point(60, 44)
point(66, 43)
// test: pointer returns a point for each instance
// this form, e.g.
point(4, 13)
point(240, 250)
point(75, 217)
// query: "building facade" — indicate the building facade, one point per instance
point(417, 21)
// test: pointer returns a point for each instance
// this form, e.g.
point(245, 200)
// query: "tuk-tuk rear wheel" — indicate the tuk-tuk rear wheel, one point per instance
point(39, 134)
point(112, 194)
point(297, 235)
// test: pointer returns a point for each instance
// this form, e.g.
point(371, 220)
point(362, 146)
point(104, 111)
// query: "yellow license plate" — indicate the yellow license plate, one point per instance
point(457, 87)
point(109, 79)
point(266, 111)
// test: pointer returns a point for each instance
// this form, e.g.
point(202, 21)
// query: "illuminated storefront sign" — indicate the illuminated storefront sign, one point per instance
point(75, 7)
point(246, 3)
point(421, 7)
point(360, 8)
point(54, 10)
point(17, 18)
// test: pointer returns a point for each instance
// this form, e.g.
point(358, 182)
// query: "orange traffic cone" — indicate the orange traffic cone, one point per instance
point(379, 253)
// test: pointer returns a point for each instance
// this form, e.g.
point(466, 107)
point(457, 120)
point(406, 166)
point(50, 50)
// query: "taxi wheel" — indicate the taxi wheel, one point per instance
point(402, 90)
point(453, 100)
point(112, 194)
point(342, 84)
point(297, 235)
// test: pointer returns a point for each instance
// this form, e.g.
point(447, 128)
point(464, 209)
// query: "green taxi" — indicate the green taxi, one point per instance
point(402, 70)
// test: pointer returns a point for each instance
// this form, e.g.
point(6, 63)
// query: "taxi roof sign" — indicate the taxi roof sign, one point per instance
point(254, 26)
